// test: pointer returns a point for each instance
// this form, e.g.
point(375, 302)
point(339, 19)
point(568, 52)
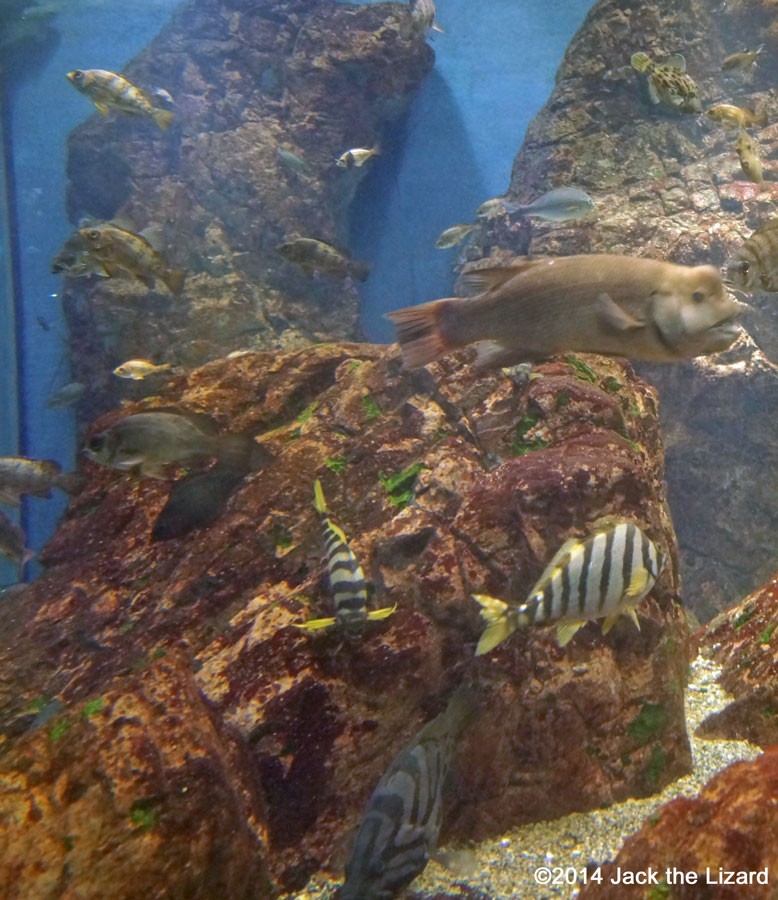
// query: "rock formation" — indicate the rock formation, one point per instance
point(147, 682)
point(252, 83)
point(669, 185)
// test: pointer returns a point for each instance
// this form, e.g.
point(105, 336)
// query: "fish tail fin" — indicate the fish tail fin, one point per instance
point(314, 624)
point(640, 61)
point(27, 555)
point(163, 117)
point(319, 503)
point(498, 623)
point(174, 280)
point(420, 332)
point(234, 451)
point(70, 482)
point(377, 614)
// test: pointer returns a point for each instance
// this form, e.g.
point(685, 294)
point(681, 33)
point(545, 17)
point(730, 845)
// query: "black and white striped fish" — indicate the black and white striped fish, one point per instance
point(603, 576)
point(347, 580)
point(402, 819)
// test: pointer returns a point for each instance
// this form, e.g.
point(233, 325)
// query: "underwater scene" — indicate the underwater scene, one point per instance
point(388, 450)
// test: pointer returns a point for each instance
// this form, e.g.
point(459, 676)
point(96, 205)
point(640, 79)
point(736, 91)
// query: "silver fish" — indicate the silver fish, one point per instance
point(347, 580)
point(420, 20)
point(67, 395)
point(293, 162)
point(453, 236)
point(558, 205)
point(401, 823)
point(19, 475)
point(603, 576)
point(595, 303)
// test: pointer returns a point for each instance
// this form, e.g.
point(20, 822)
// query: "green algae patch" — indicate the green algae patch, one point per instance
point(59, 729)
point(648, 723)
point(143, 816)
point(371, 408)
point(659, 891)
point(521, 444)
point(306, 414)
point(92, 708)
point(742, 619)
point(612, 385)
point(336, 464)
point(766, 635)
point(583, 372)
point(400, 486)
point(655, 766)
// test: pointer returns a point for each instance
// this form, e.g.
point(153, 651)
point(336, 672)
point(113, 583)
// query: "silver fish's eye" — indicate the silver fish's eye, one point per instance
point(97, 443)
point(92, 234)
point(698, 296)
point(78, 75)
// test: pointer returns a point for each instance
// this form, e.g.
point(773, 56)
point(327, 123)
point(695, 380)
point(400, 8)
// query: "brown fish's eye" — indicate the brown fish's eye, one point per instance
point(92, 234)
point(698, 296)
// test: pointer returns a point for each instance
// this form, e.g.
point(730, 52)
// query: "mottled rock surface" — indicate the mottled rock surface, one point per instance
point(189, 645)
point(669, 186)
point(731, 825)
point(310, 77)
point(742, 642)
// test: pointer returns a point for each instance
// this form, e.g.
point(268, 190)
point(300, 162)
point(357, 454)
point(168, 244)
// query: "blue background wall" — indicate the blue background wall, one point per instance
point(495, 67)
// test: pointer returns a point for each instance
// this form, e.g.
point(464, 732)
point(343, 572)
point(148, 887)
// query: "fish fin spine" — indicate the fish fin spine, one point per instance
point(421, 331)
point(565, 631)
point(163, 117)
point(320, 504)
point(314, 624)
point(378, 614)
point(611, 620)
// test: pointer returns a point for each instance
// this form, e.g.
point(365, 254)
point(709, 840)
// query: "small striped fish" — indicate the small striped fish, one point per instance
point(107, 90)
point(347, 580)
point(402, 819)
point(603, 576)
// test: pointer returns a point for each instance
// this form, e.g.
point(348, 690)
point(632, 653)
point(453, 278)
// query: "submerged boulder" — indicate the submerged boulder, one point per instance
point(447, 482)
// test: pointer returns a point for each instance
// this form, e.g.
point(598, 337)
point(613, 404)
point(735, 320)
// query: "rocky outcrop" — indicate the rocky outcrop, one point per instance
point(741, 641)
point(728, 826)
point(251, 82)
point(669, 186)
point(147, 682)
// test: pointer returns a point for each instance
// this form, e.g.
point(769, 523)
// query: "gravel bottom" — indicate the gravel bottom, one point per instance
point(505, 867)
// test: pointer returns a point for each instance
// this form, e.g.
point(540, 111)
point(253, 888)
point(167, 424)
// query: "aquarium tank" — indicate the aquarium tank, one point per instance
point(388, 444)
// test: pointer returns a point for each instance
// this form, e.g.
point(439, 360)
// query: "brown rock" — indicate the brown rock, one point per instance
point(498, 473)
point(729, 825)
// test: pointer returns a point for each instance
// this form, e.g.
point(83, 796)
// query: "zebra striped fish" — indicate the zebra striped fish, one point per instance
point(347, 580)
point(603, 576)
point(107, 90)
point(401, 823)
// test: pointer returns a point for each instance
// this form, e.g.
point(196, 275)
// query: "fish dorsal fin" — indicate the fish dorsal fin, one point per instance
point(154, 237)
point(492, 277)
point(557, 561)
point(125, 223)
point(200, 420)
point(676, 61)
point(565, 631)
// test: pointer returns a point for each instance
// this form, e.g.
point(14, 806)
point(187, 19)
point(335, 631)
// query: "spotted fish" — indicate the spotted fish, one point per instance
point(754, 267)
point(602, 576)
point(347, 580)
point(402, 819)
point(668, 82)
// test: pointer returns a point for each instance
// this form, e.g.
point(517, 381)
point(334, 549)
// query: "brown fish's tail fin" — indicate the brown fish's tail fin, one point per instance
point(174, 279)
point(163, 117)
point(70, 482)
point(420, 332)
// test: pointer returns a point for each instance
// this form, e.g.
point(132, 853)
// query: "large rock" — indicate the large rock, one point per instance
point(448, 483)
point(729, 826)
point(311, 77)
point(669, 186)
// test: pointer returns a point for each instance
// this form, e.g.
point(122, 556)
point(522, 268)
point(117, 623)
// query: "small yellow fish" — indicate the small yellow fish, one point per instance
point(107, 90)
point(353, 159)
point(735, 116)
point(138, 369)
point(453, 236)
point(748, 153)
point(741, 60)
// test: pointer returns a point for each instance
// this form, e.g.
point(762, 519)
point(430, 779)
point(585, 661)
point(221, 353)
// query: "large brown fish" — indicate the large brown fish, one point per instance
point(599, 303)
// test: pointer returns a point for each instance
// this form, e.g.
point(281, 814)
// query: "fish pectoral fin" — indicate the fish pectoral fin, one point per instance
point(492, 353)
point(314, 624)
point(676, 101)
point(677, 61)
point(652, 91)
point(101, 108)
point(638, 584)
point(613, 317)
point(565, 631)
point(384, 613)
point(153, 470)
point(10, 498)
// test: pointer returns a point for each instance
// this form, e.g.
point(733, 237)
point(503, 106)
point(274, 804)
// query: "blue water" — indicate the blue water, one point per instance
point(45, 109)
point(495, 67)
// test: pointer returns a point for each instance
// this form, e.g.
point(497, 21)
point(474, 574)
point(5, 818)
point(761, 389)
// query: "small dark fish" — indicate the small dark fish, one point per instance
point(400, 826)
point(558, 205)
point(347, 580)
point(293, 162)
point(196, 501)
point(66, 396)
point(312, 255)
point(149, 441)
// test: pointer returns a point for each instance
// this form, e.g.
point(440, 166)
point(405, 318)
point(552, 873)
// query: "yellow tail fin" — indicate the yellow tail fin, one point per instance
point(319, 502)
point(314, 624)
point(640, 61)
point(382, 613)
point(498, 627)
point(163, 117)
